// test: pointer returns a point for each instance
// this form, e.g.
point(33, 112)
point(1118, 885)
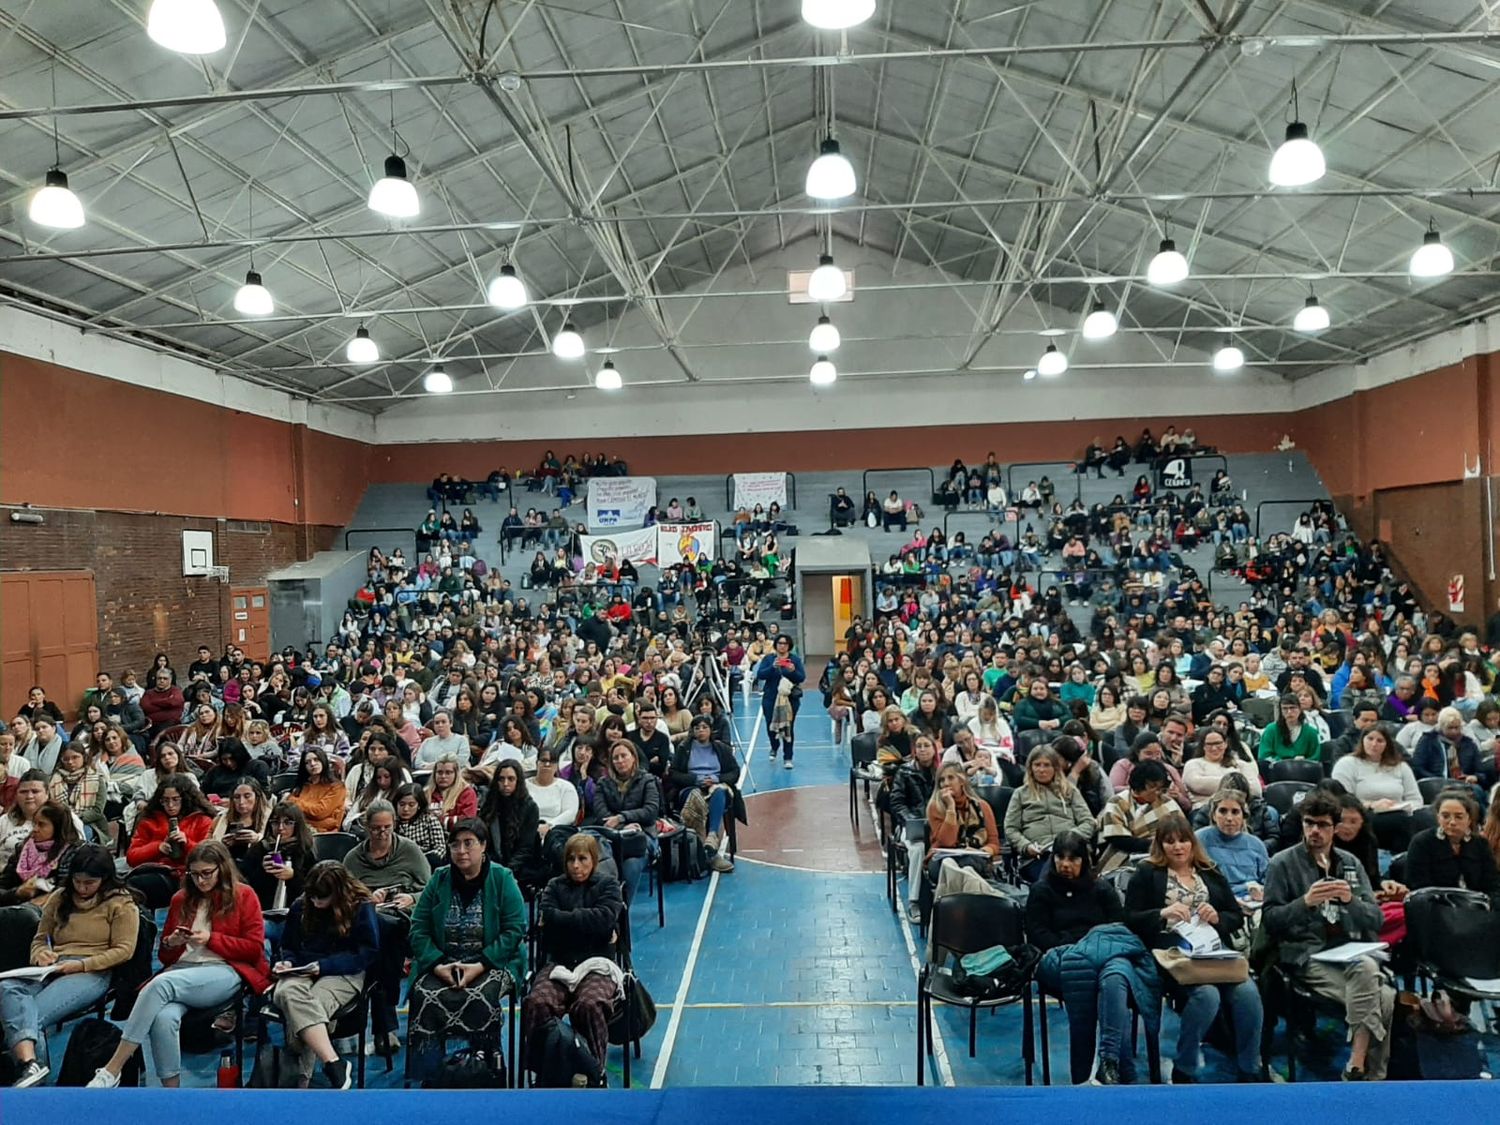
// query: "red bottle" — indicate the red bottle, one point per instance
point(229, 1074)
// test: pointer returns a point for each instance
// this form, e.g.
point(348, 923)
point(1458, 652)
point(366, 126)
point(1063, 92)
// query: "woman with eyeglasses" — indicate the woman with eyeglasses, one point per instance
point(449, 794)
point(329, 944)
point(176, 820)
point(278, 863)
point(1203, 774)
point(213, 942)
point(467, 947)
point(86, 929)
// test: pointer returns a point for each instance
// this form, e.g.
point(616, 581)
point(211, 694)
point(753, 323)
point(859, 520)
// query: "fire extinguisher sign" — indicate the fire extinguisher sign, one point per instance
point(1456, 594)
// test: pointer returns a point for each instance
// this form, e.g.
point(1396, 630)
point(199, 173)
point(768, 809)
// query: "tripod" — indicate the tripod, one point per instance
point(708, 676)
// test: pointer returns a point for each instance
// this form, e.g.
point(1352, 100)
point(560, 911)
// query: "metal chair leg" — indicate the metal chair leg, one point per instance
point(921, 1044)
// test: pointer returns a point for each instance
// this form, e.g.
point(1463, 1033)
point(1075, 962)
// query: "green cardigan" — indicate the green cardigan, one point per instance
point(504, 923)
point(1308, 745)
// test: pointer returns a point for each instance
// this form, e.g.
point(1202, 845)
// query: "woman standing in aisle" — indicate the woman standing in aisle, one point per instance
point(782, 673)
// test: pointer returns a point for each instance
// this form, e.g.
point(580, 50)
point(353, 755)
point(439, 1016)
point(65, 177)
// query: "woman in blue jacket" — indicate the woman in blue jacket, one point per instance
point(330, 942)
point(777, 705)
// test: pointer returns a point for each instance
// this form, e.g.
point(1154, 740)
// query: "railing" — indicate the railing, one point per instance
point(405, 531)
point(1070, 466)
point(729, 491)
point(864, 481)
point(1282, 503)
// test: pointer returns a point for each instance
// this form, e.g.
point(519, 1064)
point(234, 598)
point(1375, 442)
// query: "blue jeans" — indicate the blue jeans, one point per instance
point(718, 801)
point(1203, 1003)
point(1114, 1022)
point(166, 999)
point(28, 1006)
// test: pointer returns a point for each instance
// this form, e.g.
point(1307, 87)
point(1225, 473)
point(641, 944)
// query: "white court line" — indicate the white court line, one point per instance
point(669, 1040)
point(939, 1048)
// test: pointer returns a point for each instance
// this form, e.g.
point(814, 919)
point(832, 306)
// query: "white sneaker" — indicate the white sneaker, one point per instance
point(103, 1080)
point(788, 763)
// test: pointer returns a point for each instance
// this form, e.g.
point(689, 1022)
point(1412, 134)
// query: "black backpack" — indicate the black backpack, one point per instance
point(684, 858)
point(89, 1047)
point(560, 1059)
point(470, 1068)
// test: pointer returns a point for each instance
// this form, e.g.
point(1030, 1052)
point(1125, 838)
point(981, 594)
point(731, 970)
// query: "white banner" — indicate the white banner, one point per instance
point(620, 501)
point(765, 489)
point(686, 542)
point(638, 546)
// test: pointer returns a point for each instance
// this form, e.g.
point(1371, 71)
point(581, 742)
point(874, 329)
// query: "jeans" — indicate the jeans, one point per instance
point(166, 999)
point(718, 801)
point(1203, 1003)
point(28, 1006)
point(1114, 1022)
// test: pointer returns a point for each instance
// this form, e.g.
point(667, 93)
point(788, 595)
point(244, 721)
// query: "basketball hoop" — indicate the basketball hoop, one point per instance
point(219, 572)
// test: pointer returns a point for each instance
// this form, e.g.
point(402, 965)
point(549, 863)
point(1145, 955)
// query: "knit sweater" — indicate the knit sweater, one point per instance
point(1243, 858)
point(103, 936)
point(405, 870)
point(1371, 782)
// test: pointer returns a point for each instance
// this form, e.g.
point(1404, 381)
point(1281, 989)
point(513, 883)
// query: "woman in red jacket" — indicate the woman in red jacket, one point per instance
point(177, 819)
point(213, 941)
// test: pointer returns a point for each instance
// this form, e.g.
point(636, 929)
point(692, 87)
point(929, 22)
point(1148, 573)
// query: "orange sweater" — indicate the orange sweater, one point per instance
point(323, 805)
point(943, 833)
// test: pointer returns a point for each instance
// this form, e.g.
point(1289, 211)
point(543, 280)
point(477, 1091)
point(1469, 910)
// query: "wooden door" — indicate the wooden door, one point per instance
point(250, 620)
point(49, 635)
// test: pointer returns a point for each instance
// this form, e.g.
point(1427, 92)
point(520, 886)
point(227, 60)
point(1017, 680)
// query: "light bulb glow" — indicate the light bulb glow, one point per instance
point(824, 337)
point(1298, 161)
point(830, 176)
point(1029, 374)
point(1101, 323)
point(1168, 267)
point(827, 282)
point(1432, 258)
point(568, 344)
point(190, 27)
point(1052, 363)
point(55, 205)
point(608, 378)
point(437, 381)
point(253, 298)
point(837, 15)
point(507, 291)
point(393, 194)
point(362, 349)
point(1228, 358)
point(823, 372)
point(1311, 317)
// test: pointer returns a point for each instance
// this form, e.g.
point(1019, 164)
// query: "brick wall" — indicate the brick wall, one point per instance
point(145, 603)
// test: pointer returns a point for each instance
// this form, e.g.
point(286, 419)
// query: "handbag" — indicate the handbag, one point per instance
point(1191, 971)
point(642, 1010)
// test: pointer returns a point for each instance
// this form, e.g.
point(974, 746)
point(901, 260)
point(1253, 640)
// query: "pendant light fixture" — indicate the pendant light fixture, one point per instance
point(1432, 258)
point(1052, 363)
point(824, 337)
point(827, 282)
point(1228, 359)
point(1168, 267)
point(568, 344)
point(1029, 374)
point(1101, 323)
point(1298, 161)
point(608, 378)
point(507, 291)
point(55, 205)
point(1311, 317)
point(190, 27)
point(253, 298)
point(437, 381)
point(393, 194)
point(830, 176)
point(362, 349)
point(823, 373)
point(837, 15)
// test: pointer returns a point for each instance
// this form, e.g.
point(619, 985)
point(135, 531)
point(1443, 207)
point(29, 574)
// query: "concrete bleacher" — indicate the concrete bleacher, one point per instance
point(1257, 477)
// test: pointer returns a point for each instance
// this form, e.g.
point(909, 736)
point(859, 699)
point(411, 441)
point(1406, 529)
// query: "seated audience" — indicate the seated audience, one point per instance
point(1239, 854)
point(176, 820)
point(1046, 805)
point(1128, 824)
point(416, 822)
point(1377, 774)
point(321, 797)
point(1454, 854)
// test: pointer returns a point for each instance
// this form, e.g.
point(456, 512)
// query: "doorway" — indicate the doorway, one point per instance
point(49, 621)
point(830, 602)
point(250, 620)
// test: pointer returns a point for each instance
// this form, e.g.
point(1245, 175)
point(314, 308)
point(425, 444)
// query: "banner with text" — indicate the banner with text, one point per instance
point(764, 489)
point(686, 542)
point(638, 546)
point(620, 501)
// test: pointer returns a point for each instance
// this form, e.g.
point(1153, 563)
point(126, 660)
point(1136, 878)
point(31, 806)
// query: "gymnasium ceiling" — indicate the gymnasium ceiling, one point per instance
point(623, 153)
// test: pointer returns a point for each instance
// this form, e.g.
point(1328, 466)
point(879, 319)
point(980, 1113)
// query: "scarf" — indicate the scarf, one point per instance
point(35, 860)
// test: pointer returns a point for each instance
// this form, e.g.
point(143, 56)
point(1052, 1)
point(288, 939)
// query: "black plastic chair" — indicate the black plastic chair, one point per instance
point(1295, 769)
point(1283, 995)
point(998, 798)
point(1338, 722)
point(963, 924)
point(1261, 712)
point(351, 1021)
point(1454, 936)
point(861, 768)
point(1029, 740)
point(333, 845)
point(1430, 787)
point(1283, 796)
point(283, 783)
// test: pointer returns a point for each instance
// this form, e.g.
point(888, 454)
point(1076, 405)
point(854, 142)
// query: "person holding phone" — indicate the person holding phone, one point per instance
point(85, 930)
point(213, 942)
point(782, 673)
point(330, 942)
point(176, 819)
point(244, 820)
point(1318, 896)
point(277, 864)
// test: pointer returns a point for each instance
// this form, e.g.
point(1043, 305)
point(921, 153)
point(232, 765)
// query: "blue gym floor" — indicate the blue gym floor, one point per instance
point(772, 975)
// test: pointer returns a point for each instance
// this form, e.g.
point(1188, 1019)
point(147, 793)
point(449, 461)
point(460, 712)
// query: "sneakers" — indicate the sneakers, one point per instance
point(711, 841)
point(1108, 1074)
point(103, 1080)
point(31, 1074)
point(788, 764)
point(913, 914)
point(720, 863)
point(339, 1074)
point(1356, 1074)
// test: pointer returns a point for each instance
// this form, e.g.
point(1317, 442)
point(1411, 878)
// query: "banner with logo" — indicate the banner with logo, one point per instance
point(764, 489)
point(1174, 472)
point(686, 542)
point(638, 546)
point(620, 501)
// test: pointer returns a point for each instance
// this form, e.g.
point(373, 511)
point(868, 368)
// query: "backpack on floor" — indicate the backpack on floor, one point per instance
point(561, 1060)
point(470, 1068)
point(684, 858)
point(89, 1047)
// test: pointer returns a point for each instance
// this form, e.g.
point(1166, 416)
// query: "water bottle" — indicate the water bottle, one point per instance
point(229, 1074)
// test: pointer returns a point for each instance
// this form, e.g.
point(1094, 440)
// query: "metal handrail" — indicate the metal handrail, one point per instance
point(1288, 500)
point(383, 531)
point(864, 480)
point(1070, 466)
